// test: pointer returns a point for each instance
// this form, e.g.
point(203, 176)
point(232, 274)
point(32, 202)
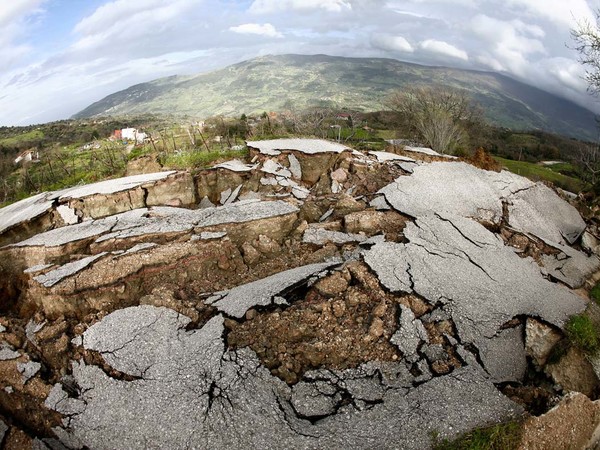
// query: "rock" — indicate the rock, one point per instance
point(540, 339)
point(251, 254)
point(589, 242)
point(332, 285)
point(28, 370)
point(570, 424)
point(573, 372)
point(143, 164)
point(340, 175)
point(369, 222)
point(267, 246)
point(376, 328)
point(346, 205)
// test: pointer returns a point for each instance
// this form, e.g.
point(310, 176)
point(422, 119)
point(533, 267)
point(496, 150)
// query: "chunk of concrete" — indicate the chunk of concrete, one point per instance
point(236, 165)
point(387, 157)
point(454, 188)
point(308, 146)
point(112, 186)
point(237, 301)
point(28, 370)
point(484, 284)
point(57, 275)
point(410, 336)
point(295, 167)
point(274, 168)
point(7, 352)
point(571, 266)
point(504, 356)
point(542, 213)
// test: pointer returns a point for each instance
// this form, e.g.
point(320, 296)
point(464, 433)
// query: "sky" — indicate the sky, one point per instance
point(59, 56)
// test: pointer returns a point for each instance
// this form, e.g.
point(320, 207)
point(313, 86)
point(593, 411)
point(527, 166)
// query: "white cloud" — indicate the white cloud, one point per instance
point(564, 13)
point(14, 25)
point(391, 43)
point(444, 48)
point(254, 28)
point(271, 6)
point(508, 44)
point(16, 10)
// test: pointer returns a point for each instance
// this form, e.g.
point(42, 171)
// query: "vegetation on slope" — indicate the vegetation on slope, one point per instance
point(298, 82)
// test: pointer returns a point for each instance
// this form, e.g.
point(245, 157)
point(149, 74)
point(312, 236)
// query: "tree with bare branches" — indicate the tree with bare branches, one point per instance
point(438, 116)
point(586, 36)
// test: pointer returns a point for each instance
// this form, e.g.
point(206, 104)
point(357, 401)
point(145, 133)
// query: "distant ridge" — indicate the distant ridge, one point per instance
point(276, 83)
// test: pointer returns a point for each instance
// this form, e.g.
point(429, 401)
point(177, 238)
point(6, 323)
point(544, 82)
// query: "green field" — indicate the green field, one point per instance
point(32, 135)
point(537, 172)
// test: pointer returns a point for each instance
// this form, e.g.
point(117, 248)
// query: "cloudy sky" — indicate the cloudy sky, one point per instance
point(58, 56)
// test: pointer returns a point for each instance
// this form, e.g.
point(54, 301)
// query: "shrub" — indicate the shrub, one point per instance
point(595, 293)
point(582, 332)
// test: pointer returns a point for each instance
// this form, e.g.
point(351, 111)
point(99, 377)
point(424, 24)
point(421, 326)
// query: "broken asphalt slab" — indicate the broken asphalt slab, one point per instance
point(159, 220)
point(274, 147)
point(237, 301)
point(188, 390)
point(458, 264)
point(464, 190)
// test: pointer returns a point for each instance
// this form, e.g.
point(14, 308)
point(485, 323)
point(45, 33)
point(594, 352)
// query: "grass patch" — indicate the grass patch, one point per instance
point(22, 138)
point(536, 172)
point(504, 436)
point(595, 293)
point(200, 158)
point(582, 332)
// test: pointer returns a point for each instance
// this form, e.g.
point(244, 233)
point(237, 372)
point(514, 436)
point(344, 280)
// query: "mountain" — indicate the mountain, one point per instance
point(276, 83)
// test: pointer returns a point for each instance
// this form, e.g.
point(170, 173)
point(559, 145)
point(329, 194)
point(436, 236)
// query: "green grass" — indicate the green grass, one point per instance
point(21, 138)
point(582, 332)
point(201, 158)
point(595, 293)
point(536, 172)
point(504, 436)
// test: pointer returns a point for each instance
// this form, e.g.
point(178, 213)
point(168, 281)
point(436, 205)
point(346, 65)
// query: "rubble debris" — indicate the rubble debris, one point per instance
point(28, 370)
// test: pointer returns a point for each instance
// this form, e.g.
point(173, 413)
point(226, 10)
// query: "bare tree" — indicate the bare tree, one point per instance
point(586, 37)
point(439, 116)
point(588, 159)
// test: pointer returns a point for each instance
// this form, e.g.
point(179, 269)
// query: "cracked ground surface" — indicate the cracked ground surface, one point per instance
point(305, 321)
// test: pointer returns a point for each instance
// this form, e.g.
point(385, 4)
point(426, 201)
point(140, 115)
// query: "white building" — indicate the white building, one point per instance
point(27, 155)
point(132, 134)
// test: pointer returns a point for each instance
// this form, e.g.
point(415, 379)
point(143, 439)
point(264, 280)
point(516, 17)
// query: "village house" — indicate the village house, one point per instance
point(129, 134)
point(28, 155)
